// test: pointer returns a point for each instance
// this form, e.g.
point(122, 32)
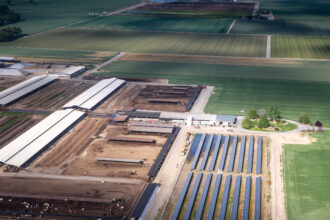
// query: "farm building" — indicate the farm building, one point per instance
point(70, 72)
point(92, 97)
point(24, 88)
point(21, 151)
point(199, 119)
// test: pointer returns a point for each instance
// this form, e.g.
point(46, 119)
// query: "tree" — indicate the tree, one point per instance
point(246, 123)
point(10, 33)
point(263, 122)
point(251, 114)
point(274, 113)
point(261, 113)
point(304, 119)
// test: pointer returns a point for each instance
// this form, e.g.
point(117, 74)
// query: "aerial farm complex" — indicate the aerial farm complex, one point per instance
point(164, 109)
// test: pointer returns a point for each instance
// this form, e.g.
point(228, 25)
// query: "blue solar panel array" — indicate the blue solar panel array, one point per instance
point(216, 189)
point(234, 208)
point(207, 152)
point(198, 152)
point(224, 154)
point(203, 197)
point(224, 200)
point(241, 155)
point(182, 196)
point(257, 206)
point(247, 194)
point(250, 156)
point(259, 156)
point(193, 197)
point(194, 146)
point(215, 152)
point(232, 155)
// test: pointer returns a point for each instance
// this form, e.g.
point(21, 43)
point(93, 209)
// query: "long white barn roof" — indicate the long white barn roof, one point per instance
point(29, 144)
point(13, 93)
point(94, 95)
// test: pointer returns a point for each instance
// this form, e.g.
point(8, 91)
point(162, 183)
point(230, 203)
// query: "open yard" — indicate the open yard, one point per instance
point(306, 177)
point(296, 89)
point(148, 42)
point(48, 14)
point(301, 47)
point(158, 23)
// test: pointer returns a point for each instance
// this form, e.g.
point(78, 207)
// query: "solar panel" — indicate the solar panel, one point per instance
point(224, 154)
point(259, 156)
point(183, 194)
point(234, 208)
point(198, 151)
point(250, 156)
point(203, 197)
point(224, 200)
point(257, 206)
point(193, 197)
point(232, 155)
point(214, 198)
point(215, 152)
point(247, 194)
point(241, 155)
point(206, 153)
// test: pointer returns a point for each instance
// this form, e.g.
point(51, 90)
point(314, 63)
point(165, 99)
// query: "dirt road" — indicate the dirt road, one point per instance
point(100, 66)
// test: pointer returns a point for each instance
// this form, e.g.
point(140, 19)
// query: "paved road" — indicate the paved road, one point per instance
point(100, 66)
point(202, 100)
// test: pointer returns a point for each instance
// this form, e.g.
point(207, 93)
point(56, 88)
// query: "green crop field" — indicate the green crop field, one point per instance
point(76, 56)
point(306, 177)
point(241, 87)
point(48, 14)
point(159, 23)
point(148, 42)
point(298, 10)
point(279, 27)
point(301, 47)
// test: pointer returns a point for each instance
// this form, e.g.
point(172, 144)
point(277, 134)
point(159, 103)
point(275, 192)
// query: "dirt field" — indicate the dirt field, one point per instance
point(76, 153)
point(68, 197)
point(200, 6)
point(15, 126)
point(8, 81)
point(205, 59)
point(54, 96)
point(139, 96)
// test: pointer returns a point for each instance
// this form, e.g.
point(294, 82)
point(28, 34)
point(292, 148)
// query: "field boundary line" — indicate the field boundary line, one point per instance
point(116, 11)
point(269, 46)
point(231, 26)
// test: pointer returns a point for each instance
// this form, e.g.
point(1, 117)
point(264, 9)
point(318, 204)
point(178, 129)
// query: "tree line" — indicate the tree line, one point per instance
point(7, 16)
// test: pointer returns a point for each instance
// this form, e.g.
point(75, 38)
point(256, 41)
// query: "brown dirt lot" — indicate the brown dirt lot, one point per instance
point(68, 197)
point(76, 153)
point(18, 126)
point(53, 96)
point(205, 59)
point(9, 81)
point(136, 95)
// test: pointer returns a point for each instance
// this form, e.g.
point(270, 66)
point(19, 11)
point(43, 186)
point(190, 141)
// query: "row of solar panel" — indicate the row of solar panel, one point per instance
point(214, 198)
point(209, 142)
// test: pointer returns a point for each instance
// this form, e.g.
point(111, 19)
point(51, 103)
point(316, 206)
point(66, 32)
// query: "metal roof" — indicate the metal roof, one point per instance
point(197, 117)
point(94, 95)
point(23, 89)
point(22, 149)
point(12, 72)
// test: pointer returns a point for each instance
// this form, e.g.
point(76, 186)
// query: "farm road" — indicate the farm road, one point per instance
point(100, 66)
point(202, 100)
